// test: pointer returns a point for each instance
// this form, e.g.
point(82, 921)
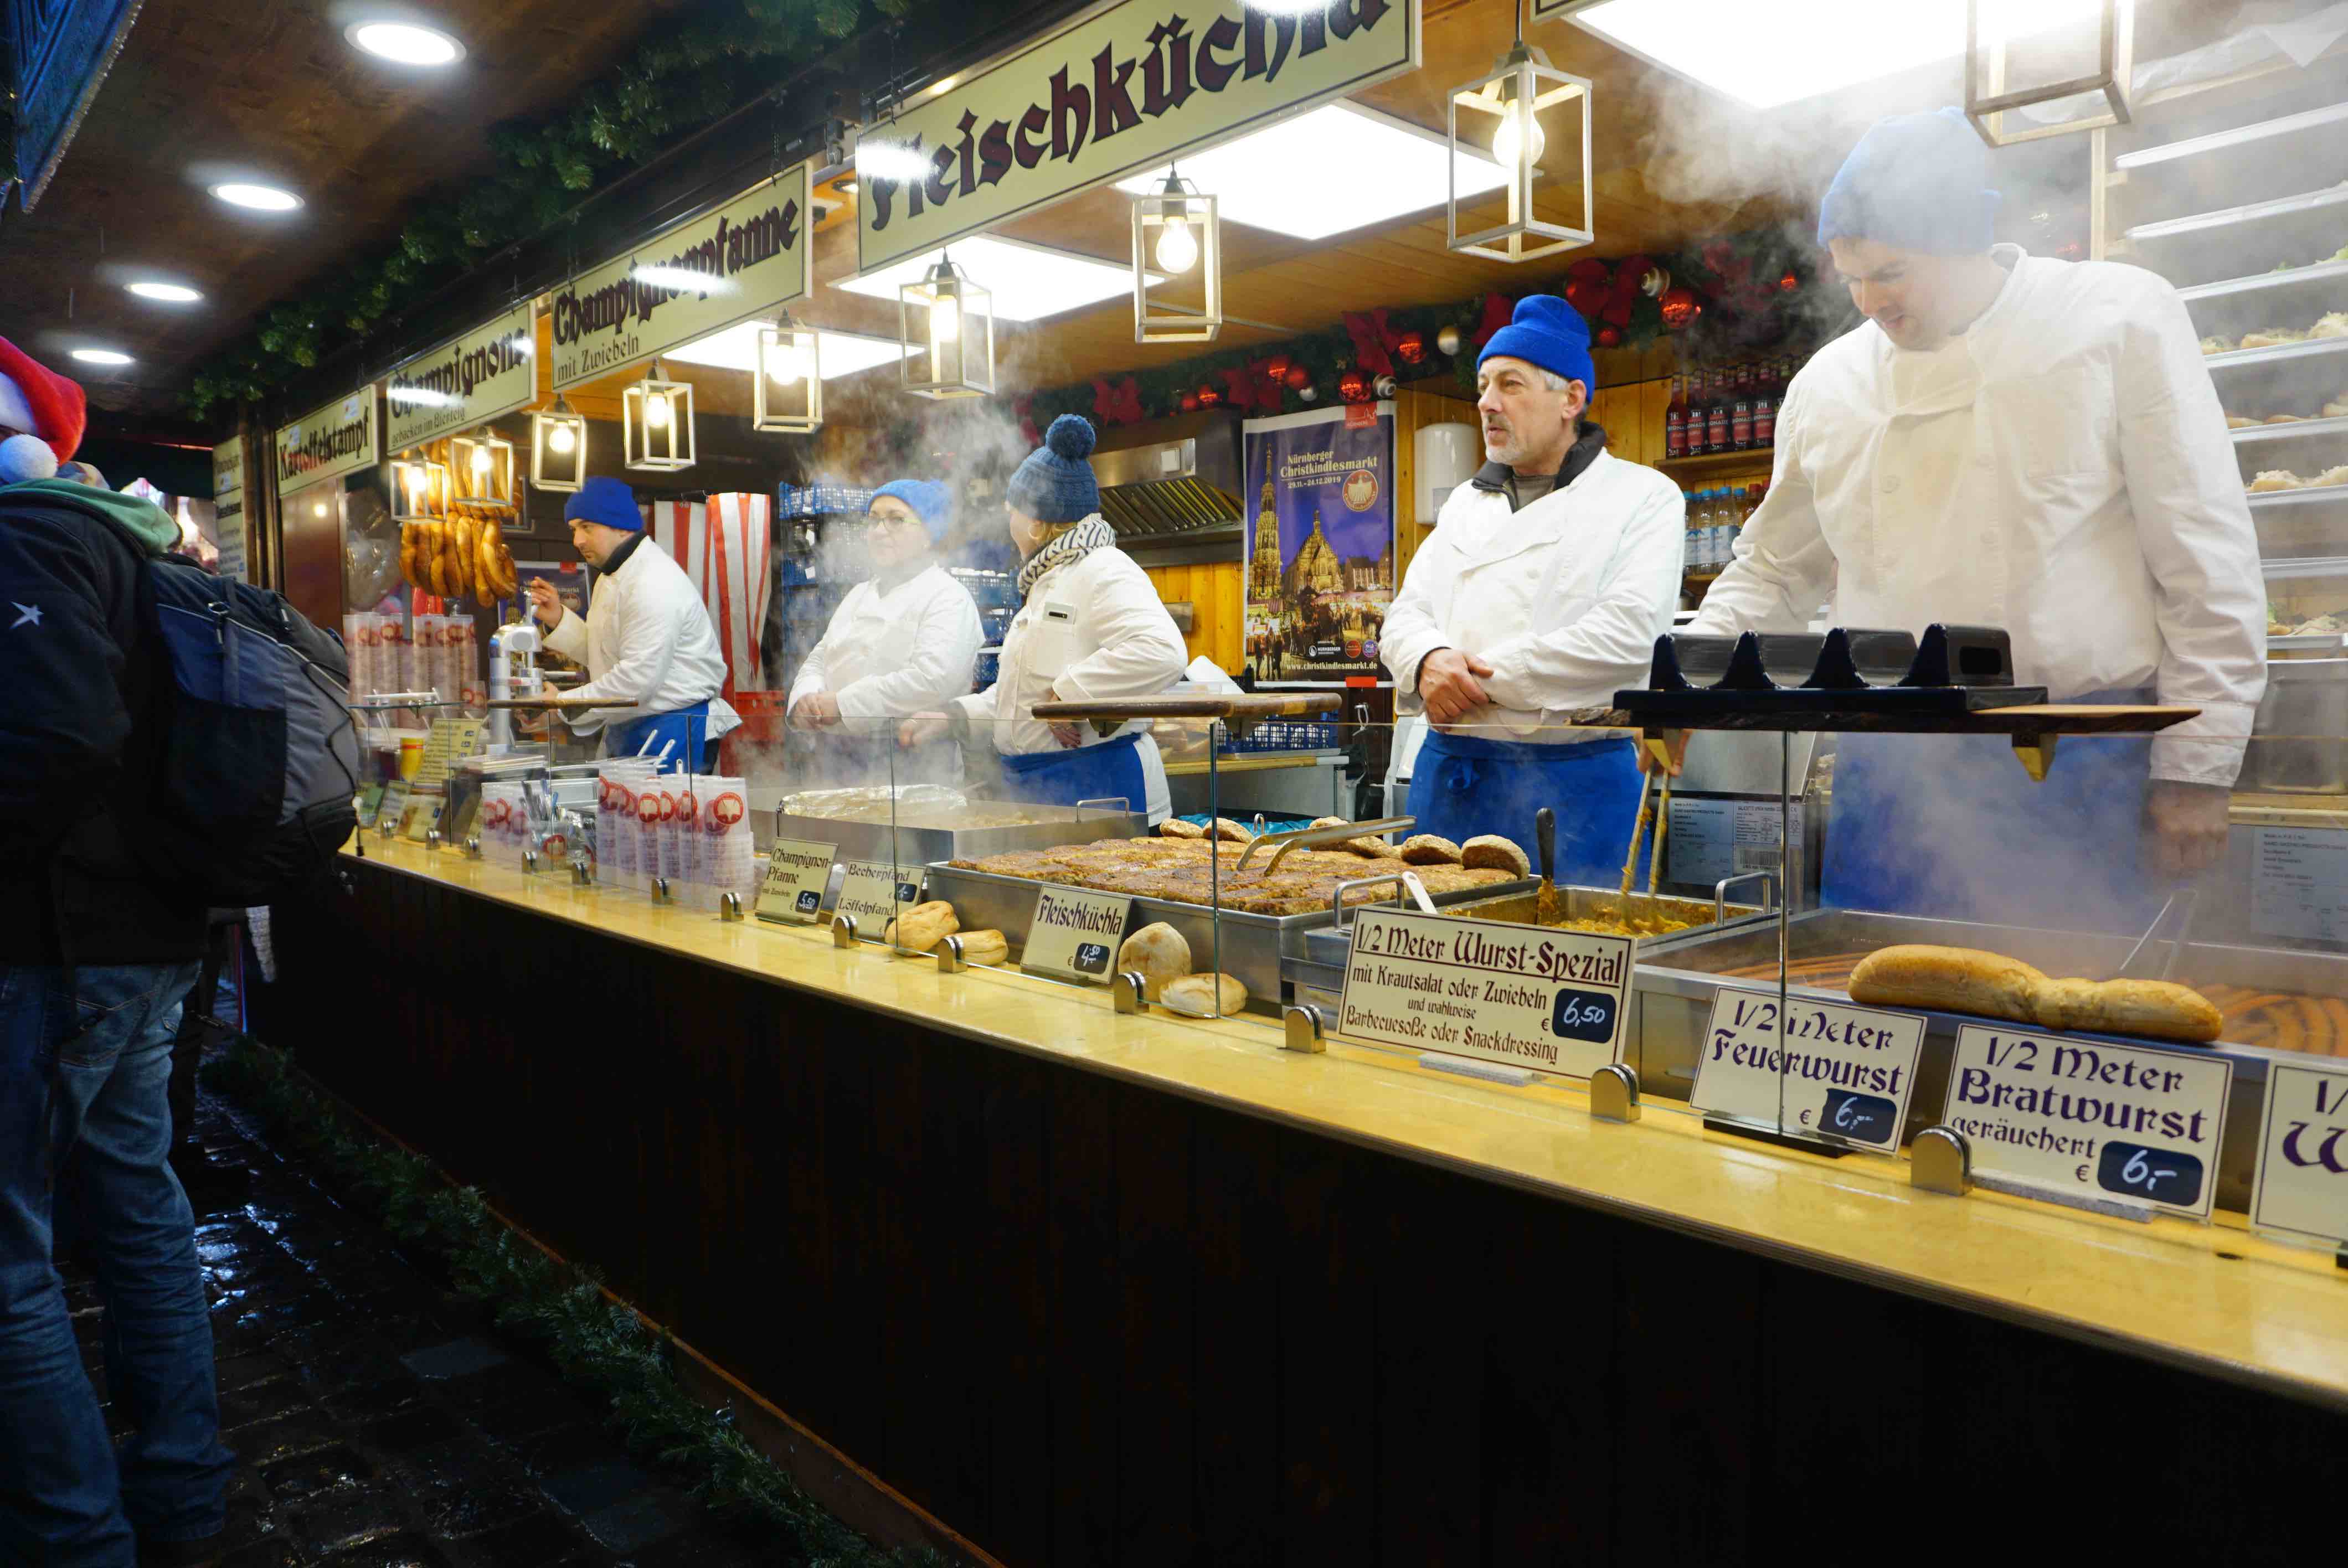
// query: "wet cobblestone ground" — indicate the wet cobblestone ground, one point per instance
point(380, 1422)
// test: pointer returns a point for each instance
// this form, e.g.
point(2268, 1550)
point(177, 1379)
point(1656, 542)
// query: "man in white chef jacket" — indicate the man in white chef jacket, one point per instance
point(646, 640)
point(1541, 590)
point(2010, 441)
point(903, 642)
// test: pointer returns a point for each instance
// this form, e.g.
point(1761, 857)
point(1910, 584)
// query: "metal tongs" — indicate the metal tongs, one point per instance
point(1309, 837)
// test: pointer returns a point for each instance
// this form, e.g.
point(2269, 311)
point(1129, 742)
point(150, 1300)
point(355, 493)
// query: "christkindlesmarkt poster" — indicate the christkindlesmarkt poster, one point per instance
point(1319, 506)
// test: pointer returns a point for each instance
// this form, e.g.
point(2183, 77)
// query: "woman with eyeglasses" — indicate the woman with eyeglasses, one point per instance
point(903, 643)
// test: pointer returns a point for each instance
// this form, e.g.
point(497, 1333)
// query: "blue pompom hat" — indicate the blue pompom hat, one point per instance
point(1056, 485)
point(931, 501)
point(605, 500)
point(1915, 182)
point(1547, 332)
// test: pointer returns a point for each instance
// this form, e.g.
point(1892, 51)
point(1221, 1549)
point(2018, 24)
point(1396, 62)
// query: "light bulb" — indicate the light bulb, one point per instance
point(1505, 140)
point(481, 460)
point(785, 362)
point(946, 319)
point(560, 438)
point(656, 410)
point(1178, 248)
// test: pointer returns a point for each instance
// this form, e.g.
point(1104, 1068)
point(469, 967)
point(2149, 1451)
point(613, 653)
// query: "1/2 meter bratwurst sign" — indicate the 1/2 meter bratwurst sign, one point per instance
point(1511, 995)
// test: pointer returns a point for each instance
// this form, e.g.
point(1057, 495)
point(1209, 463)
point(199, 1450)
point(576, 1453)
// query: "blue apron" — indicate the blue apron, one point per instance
point(1950, 826)
point(1112, 769)
point(1463, 785)
point(687, 727)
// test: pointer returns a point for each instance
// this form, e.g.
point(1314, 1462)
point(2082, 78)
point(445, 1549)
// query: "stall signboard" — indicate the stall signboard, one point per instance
point(746, 258)
point(1075, 934)
point(329, 442)
point(1320, 545)
point(227, 506)
point(1116, 92)
point(1839, 1074)
point(2302, 1188)
point(467, 381)
point(2086, 1118)
point(875, 891)
point(1514, 996)
point(796, 872)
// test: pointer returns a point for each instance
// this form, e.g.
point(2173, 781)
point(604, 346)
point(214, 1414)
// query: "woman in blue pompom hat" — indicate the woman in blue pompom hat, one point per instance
point(1090, 629)
point(904, 642)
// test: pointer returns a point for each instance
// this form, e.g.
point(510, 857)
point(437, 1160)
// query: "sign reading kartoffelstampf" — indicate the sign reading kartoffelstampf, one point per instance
point(1512, 995)
point(1119, 91)
point(470, 380)
point(2302, 1181)
point(744, 260)
point(328, 442)
point(1836, 1073)
point(2087, 1117)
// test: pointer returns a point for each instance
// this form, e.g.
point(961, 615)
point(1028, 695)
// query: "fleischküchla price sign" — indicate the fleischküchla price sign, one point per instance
point(1513, 996)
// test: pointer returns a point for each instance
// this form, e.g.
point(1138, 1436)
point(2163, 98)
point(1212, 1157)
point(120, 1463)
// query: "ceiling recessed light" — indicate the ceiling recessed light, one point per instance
point(101, 356)
point(174, 293)
point(406, 43)
point(260, 198)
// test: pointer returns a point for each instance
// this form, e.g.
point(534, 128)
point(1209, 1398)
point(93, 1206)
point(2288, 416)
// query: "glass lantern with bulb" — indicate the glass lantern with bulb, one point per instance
point(1175, 229)
point(558, 447)
point(787, 391)
point(1517, 117)
point(482, 465)
point(656, 422)
point(420, 488)
point(2052, 34)
point(945, 323)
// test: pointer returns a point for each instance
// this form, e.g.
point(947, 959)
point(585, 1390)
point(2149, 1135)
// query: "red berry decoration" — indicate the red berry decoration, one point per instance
point(1353, 386)
point(1680, 308)
point(1411, 347)
point(1609, 337)
point(1209, 398)
point(1298, 378)
point(1189, 402)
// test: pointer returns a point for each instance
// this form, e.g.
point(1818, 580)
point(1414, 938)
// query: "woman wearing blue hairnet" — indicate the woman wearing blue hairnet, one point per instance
point(902, 643)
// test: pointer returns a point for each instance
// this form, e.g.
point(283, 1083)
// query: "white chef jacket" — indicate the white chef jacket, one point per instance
point(647, 640)
point(2060, 470)
point(1093, 630)
point(890, 652)
point(1563, 599)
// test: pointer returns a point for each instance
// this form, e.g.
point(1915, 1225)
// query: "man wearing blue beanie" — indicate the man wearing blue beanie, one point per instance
point(646, 642)
point(2020, 441)
point(1542, 589)
point(902, 643)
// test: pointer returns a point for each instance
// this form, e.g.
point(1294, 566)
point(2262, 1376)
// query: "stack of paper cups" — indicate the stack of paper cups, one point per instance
point(684, 841)
point(728, 858)
point(463, 665)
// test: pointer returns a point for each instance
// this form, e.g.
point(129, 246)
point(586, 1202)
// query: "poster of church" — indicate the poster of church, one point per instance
point(1319, 513)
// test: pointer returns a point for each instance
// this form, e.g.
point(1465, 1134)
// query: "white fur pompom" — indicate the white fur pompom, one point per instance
point(26, 457)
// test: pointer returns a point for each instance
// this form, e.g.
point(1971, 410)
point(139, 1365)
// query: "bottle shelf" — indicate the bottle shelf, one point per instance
point(1759, 459)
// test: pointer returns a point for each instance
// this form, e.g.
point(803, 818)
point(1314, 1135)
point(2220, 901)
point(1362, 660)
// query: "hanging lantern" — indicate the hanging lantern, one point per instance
point(1174, 231)
point(1680, 308)
point(420, 488)
point(1411, 347)
point(787, 386)
point(1988, 100)
point(482, 466)
point(1446, 342)
point(1515, 117)
point(558, 447)
point(1298, 378)
point(656, 422)
point(1209, 396)
point(946, 322)
point(1354, 386)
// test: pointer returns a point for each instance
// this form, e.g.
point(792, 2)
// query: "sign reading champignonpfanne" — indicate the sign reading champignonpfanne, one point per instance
point(2302, 1181)
point(2086, 1116)
point(1842, 1073)
point(1514, 996)
point(796, 872)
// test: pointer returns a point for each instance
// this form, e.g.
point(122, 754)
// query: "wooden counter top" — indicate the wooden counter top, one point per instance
point(2213, 1299)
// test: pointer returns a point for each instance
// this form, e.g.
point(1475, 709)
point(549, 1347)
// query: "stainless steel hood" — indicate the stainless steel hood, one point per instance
point(1171, 486)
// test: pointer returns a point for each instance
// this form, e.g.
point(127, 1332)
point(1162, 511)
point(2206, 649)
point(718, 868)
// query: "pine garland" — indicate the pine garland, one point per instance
point(598, 1344)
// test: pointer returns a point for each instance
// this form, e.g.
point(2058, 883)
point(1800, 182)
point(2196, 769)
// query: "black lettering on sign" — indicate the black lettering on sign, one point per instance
point(1862, 1118)
point(2157, 1175)
point(1582, 1015)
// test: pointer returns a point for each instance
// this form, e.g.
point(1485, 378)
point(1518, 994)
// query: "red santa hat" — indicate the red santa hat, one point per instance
point(46, 410)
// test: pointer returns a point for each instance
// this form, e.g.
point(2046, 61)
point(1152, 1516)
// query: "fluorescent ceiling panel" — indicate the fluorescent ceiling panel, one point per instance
point(1767, 55)
point(736, 348)
point(1028, 282)
point(1322, 173)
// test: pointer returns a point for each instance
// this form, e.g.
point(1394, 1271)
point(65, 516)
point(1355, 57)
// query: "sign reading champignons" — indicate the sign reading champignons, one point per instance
point(745, 259)
point(1116, 92)
point(470, 380)
point(329, 442)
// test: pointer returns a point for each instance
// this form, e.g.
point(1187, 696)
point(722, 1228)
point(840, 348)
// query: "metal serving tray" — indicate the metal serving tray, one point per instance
point(904, 844)
point(1256, 948)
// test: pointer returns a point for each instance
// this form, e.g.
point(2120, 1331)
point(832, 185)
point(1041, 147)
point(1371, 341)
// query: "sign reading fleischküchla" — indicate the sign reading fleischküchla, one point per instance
point(1116, 93)
point(1516, 996)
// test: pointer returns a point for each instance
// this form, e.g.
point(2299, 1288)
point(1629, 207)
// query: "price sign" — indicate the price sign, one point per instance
point(444, 744)
point(1834, 1073)
point(2302, 1187)
point(392, 805)
point(871, 890)
point(1515, 996)
point(1074, 934)
point(2127, 1122)
point(797, 870)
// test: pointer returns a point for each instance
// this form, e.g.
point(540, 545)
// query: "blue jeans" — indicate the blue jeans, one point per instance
point(67, 1498)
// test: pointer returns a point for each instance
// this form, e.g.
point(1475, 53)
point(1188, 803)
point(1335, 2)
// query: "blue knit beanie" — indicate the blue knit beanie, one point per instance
point(1915, 182)
point(931, 501)
point(604, 500)
point(1056, 485)
point(1548, 333)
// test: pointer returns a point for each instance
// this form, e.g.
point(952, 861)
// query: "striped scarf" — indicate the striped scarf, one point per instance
point(1078, 542)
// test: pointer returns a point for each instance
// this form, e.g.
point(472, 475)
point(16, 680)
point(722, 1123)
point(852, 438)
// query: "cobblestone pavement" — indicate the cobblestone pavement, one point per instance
point(380, 1422)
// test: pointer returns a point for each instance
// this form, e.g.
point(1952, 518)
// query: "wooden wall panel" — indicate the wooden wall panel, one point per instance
point(1213, 591)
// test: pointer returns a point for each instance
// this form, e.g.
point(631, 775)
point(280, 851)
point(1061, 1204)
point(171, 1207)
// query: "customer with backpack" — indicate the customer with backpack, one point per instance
point(96, 954)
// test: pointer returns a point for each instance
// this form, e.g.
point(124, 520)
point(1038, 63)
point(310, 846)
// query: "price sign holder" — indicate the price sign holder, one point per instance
point(2299, 1193)
point(798, 872)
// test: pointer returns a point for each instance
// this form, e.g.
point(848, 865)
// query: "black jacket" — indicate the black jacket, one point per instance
point(76, 738)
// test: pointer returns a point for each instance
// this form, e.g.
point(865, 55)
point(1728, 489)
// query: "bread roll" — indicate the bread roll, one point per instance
point(1196, 995)
point(1231, 832)
point(1368, 846)
point(1429, 849)
point(1489, 851)
point(1953, 980)
point(923, 928)
point(1175, 828)
point(1158, 953)
point(989, 948)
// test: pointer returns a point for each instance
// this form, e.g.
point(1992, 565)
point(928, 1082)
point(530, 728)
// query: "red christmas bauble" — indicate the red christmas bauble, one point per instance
point(1609, 337)
point(1411, 347)
point(1353, 386)
point(1209, 398)
point(1588, 295)
point(1189, 402)
point(1298, 378)
point(1276, 366)
point(1680, 308)
point(1790, 282)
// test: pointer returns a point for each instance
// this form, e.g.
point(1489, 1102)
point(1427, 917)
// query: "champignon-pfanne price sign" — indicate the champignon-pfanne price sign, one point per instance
point(1511, 995)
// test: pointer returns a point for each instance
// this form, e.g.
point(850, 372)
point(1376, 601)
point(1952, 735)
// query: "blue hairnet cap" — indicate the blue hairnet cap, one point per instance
point(604, 500)
point(932, 502)
point(1548, 333)
point(1056, 485)
point(1914, 183)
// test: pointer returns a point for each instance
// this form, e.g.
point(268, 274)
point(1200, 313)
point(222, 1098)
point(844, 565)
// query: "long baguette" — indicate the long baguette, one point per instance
point(1962, 979)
